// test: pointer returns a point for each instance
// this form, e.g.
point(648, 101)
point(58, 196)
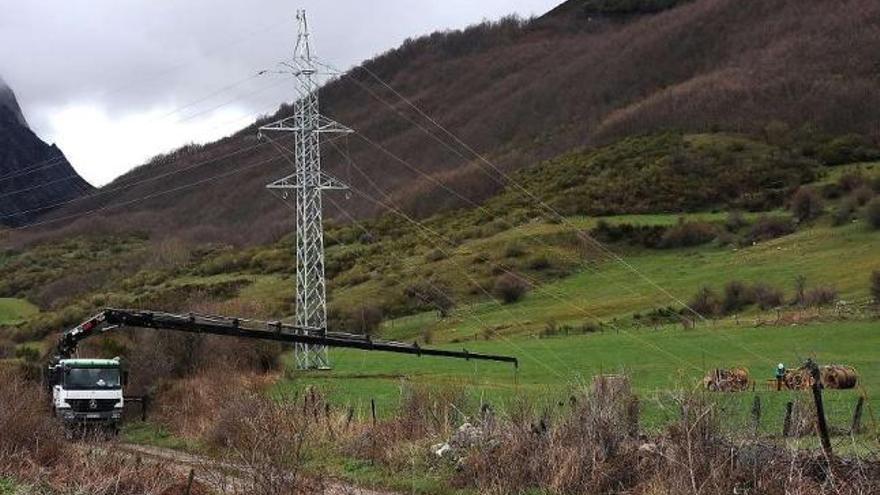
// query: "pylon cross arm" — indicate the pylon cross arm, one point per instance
point(325, 182)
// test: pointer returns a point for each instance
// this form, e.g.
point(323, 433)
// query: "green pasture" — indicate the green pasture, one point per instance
point(13, 310)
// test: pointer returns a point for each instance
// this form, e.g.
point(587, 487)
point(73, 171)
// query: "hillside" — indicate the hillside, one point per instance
point(506, 277)
point(33, 174)
point(520, 92)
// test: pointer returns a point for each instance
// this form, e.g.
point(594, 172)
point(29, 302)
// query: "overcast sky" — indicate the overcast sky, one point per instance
point(115, 82)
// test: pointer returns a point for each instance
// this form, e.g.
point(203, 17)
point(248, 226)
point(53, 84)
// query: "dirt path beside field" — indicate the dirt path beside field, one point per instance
point(219, 476)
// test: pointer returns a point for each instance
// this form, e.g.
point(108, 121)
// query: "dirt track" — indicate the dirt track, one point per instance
point(220, 476)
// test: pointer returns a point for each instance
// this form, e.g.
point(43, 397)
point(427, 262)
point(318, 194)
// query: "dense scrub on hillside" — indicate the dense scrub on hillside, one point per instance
point(670, 173)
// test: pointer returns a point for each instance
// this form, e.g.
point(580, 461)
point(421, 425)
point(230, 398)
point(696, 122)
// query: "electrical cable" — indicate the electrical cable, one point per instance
point(420, 226)
point(510, 180)
point(528, 193)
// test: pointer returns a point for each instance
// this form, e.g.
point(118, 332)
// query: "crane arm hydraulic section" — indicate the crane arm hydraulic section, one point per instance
point(276, 331)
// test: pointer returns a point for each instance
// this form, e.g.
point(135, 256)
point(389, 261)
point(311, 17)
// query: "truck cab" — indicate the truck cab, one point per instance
point(87, 391)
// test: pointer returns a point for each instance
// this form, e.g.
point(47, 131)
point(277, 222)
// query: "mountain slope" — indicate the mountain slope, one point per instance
point(33, 174)
point(10, 103)
point(520, 92)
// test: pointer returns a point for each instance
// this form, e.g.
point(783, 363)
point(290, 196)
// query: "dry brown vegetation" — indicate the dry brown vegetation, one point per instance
point(593, 444)
point(33, 449)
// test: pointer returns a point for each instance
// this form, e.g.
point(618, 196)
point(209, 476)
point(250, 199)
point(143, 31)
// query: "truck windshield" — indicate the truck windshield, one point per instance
point(91, 378)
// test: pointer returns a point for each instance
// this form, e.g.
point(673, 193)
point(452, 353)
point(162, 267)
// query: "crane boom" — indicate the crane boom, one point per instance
point(276, 331)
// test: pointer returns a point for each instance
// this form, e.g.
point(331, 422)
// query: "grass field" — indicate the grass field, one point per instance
point(13, 311)
point(658, 361)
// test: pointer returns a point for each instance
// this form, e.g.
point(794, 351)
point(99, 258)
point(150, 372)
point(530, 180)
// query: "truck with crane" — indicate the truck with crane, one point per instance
point(90, 391)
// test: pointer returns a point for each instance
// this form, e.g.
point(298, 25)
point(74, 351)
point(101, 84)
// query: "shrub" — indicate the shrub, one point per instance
point(435, 295)
point(514, 250)
point(844, 212)
point(872, 214)
point(875, 286)
point(767, 228)
point(863, 195)
point(435, 255)
point(849, 148)
point(269, 440)
point(365, 319)
point(821, 296)
point(25, 428)
point(648, 236)
point(510, 288)
point(806, 204)
point(735, 221)
point(706, 302)
point(737, 295)
point(767, 296)
point(686, 234)
point(851, 181)
point(27, 354)
point(540, 262)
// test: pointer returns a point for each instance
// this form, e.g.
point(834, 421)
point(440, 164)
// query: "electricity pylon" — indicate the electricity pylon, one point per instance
point(307, 183)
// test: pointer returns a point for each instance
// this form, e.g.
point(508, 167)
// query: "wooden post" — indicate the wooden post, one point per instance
point(373, 410)
point(756, 414)
point(821, 422)
point(189, 482)
point(350, 417)
point(856, 427)
point(786, 423)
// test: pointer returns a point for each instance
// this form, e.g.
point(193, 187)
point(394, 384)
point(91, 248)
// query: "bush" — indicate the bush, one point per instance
point(851, 181)
point(806, 204)
point(850, 148)
point(435, 255)
point(767, 228)
point(365, 320)
point(540, 262)
point(844, 212)
point(27, 354)
point(269, 440)
point(735, 221)
point(434, 295)
point(649, 236)
point(737, 296)
point(25, 427)
point(875, 286)
point(687, 234)
point(514, 250)
point(821, 296)
point(862, 195)
point(510, 288)
point(706, 302)
point(872, 214)
point(767, 296)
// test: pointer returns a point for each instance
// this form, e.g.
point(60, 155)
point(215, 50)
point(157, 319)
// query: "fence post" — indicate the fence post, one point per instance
point(756, 414)
point(373, 410)
point(821, 422)
point(189, 482)
point(786, 423)
point(856, 427)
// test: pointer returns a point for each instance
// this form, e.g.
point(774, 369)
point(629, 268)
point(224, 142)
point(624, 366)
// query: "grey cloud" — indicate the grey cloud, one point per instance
point(129, 56)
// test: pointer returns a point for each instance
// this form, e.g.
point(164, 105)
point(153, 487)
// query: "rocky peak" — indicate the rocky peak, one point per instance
point(8, 101)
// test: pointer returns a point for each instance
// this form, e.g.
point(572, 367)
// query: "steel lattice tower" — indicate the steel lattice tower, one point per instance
point(307, 183)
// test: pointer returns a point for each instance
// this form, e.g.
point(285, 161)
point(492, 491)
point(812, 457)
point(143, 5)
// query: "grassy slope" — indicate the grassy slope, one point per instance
point(613, 290)
point(656, 360)
point(14, 310)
